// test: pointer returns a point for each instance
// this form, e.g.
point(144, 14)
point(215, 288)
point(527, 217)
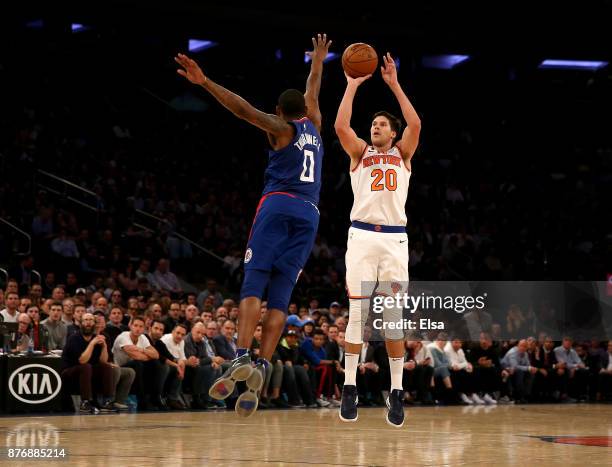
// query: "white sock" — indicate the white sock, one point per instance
point(351, 361)
point(396, 366)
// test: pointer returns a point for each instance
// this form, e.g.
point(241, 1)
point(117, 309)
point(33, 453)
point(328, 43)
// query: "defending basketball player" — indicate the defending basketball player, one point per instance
point(286, 221)
point(377, 248)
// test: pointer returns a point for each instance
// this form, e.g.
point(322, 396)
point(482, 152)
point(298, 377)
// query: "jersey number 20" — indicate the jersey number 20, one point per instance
point(308, 171)
point(390, 182)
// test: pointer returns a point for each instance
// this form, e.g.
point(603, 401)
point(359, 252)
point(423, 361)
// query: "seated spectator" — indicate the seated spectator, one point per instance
point(166, 280)
point(201, 370)
point(487, 368)
point(115, 325)
point(58, 294)
point(461, 372)
point(191, 313)
point(56, 328)
point(206, 316)
point(225, 344)
point(20, 340)
point(176, 346)
point(144, 275)
point(442, 366)
point(521, 373)
point(40, 335)
point(133, 309)
point(133, 350)
point(68, 311)
point(332, 350)
point(313, 351)
point(418, 370)
point(167, 361)
point(24, 304)
point(10, 312)
point(577, 372)
point(211, 291)
point(604, 391)
point(172, 318)
point(86, 365)
point(296, 381)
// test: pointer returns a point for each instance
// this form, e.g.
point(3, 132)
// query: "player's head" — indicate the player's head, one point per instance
point(385, 128)
point(291, 105)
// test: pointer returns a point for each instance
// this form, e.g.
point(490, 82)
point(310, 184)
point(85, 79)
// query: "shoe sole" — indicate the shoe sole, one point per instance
point(224, 386)
point(389, 422)
point(348, 420)
point(248, 401)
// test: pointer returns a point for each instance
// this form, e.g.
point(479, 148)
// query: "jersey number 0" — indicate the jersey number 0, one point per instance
point(308, 171)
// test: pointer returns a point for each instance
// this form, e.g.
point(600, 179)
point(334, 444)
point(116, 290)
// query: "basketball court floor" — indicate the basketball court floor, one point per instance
point(543, 435)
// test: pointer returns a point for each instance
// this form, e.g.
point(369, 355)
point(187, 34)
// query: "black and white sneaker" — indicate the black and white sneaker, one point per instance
point(348, 405)
point(88, 407)
point(240, 370)
point(395, 406)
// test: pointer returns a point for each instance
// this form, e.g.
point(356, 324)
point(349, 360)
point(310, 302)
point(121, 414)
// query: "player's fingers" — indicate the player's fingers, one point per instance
point(314, 42)
point(182, 73)
point(324, 38)
point(329, 43)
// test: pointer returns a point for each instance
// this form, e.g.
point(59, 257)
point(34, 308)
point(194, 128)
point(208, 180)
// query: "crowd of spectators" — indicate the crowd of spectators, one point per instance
point(164, 353)
point(482, 205)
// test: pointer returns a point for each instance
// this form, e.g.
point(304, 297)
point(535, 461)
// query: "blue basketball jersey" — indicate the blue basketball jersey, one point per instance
point(296, 168)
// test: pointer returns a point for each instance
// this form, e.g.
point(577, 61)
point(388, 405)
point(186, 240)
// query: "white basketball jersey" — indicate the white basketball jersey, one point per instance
point(380, 188)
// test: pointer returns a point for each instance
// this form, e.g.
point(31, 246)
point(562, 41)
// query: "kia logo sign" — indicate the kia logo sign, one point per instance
point(34, 383)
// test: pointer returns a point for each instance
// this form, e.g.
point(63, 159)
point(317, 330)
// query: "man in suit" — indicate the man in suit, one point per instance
point(225, 343)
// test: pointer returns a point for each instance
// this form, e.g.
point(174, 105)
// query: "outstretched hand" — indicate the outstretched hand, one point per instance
point(357, 81)
point(389, 70)
point(191, 70)
point(320, 46)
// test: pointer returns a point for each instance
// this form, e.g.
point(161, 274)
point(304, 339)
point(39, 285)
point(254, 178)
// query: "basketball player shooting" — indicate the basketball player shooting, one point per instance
point(286, 221)
point(377, 249)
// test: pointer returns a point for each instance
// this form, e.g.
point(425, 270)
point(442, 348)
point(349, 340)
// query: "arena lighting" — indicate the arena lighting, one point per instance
point(330, 56)
point(197, 45)
point(443, 62)
point(573, 64)
point(77, 27)
point(36, 24)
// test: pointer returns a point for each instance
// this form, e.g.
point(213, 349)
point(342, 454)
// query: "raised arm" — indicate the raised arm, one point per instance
point(351, 143)
point(410, 137)
point(233, 102)
point(313, 83)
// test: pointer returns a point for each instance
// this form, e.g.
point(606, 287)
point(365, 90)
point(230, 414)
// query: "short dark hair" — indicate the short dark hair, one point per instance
point(12, 293)
point(137, 318)
point(180, 325)
point(318, 332)
point(394, 122)
point(158, 321)
point(292, 103)
point(56, 304)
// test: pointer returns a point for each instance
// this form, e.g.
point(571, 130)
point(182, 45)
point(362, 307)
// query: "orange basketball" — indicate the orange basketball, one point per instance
point(359, 59)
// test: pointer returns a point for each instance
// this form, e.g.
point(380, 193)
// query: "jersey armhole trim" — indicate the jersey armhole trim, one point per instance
point(403, 159)
point(360, 158)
